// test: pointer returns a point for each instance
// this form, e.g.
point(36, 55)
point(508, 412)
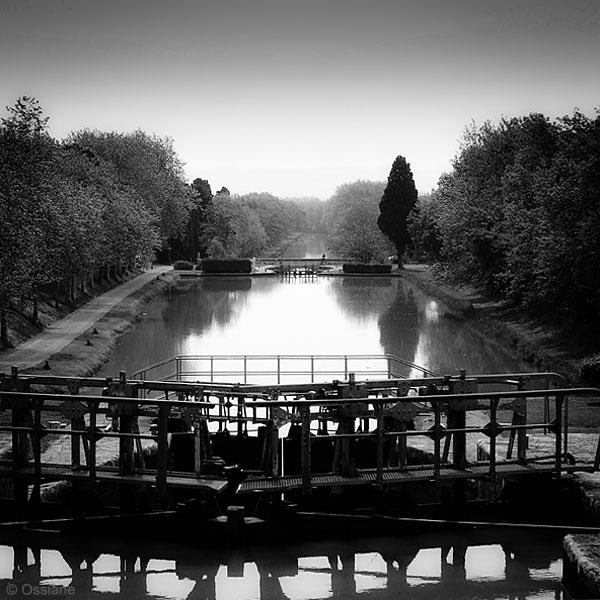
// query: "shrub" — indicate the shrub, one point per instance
point(183, 265)
point(366, 268)
point(214, 265)
point(590, 370)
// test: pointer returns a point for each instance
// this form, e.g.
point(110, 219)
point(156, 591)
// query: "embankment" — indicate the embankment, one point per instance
point(87, 353)
point(534, 342)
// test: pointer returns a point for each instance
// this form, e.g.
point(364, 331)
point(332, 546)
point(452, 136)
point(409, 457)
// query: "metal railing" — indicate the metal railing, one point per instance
point(380, 412)
point(278, 368)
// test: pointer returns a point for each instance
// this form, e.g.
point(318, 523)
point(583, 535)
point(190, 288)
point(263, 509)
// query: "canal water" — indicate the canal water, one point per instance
point(324, 315)
point(421, 566)
point(315, 315)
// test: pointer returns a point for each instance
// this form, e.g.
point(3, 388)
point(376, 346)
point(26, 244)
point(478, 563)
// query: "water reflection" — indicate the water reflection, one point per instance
point(417, 566)
point(319, 315)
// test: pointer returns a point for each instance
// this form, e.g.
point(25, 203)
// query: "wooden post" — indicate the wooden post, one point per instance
point(305, 448)
point(436, 439)
point(559, 425)
point(78, 424)
point(457, 420)
point(380, 441)
point(493, 434)
point(162, 458)
point(37, 453)
point(93, 408)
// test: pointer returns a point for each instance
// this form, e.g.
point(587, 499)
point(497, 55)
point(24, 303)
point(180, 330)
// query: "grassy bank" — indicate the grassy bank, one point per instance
point(538, 343)
point(83, 359)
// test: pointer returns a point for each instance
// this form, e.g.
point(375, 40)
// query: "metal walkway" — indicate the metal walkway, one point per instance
point(211, 438)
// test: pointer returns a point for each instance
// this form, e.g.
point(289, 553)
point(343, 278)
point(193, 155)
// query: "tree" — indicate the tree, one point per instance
point(25, 153)
point(399, 197)
point(353, 222)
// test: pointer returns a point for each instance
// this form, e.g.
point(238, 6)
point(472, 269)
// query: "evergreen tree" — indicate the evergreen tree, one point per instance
point(399, 197)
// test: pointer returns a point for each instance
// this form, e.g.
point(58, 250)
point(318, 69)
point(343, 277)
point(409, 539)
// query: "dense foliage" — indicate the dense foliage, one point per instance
point(520, 212)
point(68, 213)
point(98, 204)
point(353, 223)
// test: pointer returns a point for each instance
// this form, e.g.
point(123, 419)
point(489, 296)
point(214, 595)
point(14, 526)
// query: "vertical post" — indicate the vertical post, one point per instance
point(177, 368)
point(457, 420)
point(37, 452)
point(93, 407)
point(558, 421)
point(378, 405)
point(312, 369)
point(245, 369)
point(566, 427)
point(436, 439)
point(305, 447)
point(212, 370)
point(278, 369)
point(241, 411)
point(345, 367)
point(162, 459)
point(389, 367)
point(493, 434)
point(77, 423)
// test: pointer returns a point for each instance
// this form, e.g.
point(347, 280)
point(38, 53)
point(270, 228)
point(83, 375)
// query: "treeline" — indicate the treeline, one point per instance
point(230, 226)
point(520, 213)
point(351, 217)
point(90, 208)
point(77, 211)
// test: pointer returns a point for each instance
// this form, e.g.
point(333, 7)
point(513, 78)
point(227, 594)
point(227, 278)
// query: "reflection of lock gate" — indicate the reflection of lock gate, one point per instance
point(381, 414)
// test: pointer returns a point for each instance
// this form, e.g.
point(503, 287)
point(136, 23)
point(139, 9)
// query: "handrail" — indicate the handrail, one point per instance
point(240, 406)
point(247, 358)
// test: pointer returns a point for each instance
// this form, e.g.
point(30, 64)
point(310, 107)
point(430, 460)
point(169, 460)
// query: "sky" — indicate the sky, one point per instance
point(296, 98)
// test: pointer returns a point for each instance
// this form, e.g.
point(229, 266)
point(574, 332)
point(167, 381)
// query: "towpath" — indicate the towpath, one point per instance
point(60, 334)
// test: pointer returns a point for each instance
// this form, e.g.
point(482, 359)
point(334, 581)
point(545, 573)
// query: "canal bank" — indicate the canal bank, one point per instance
point(531, 341)
point(80, 344)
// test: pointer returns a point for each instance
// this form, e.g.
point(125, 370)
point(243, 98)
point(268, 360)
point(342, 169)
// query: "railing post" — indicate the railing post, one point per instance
point(566, 429)
point(77, 423)
point(278, 369)
point(378, 405)
point(93, 408)
point(312, 369)
point(162, 458)
point(37, 452)
point(559, 425)
point(345, 367)
point(493, 434)
point(436, 439)
point(305, 448)
point(245, 369)
point(212, 370)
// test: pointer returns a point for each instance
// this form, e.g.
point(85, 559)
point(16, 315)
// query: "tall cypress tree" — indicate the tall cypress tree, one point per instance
point(399, 197)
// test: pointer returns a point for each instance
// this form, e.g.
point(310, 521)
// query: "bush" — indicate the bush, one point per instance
point(366, 268)
point(183, 265)
point(214, 265)
point(590, 370)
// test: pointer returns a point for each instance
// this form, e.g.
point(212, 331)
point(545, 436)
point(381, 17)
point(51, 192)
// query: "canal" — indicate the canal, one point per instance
point(320, 315)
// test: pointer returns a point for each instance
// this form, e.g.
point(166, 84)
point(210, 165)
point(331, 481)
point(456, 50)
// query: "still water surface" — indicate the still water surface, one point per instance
point(328, 315)
point(320, 315)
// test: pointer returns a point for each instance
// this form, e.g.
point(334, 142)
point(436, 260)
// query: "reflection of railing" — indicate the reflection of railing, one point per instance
point(514, 564)
point(277, 368)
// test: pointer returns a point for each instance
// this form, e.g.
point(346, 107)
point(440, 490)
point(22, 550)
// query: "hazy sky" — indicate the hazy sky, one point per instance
point(298, 97)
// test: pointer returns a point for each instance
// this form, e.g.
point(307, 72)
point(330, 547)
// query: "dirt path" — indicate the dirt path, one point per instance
point(60, 334)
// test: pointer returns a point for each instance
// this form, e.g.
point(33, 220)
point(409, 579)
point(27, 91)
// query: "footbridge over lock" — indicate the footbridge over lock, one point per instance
point(299, 266)
point(250, 427)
